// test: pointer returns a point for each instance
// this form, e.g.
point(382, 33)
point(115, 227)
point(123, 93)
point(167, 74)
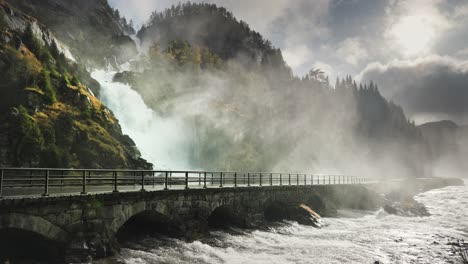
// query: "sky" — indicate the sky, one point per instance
point(415, 50)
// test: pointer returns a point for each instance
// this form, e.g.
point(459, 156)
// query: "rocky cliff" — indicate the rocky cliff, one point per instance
point(49, 116)
point(89, 27)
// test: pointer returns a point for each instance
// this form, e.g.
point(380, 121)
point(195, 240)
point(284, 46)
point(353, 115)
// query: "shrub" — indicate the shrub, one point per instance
point(3, 24)
point(27, 136)
point(46, 85)
point(30, 40)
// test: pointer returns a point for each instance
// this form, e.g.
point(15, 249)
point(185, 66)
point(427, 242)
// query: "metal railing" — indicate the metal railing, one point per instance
point(20, 182)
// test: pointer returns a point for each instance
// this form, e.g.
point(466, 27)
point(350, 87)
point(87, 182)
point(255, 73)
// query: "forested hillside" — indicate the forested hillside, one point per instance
point(48, 115)
point(215, 28)
point(245, 111)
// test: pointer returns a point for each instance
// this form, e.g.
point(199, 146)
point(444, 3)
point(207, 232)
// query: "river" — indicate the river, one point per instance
point(354, 237)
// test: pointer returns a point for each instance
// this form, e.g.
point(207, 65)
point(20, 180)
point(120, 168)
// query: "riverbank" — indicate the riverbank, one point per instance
point(399, 194)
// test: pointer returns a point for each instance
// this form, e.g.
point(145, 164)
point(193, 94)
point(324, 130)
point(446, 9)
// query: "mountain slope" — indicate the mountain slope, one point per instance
point(91, 28)
point(207, 25)
point(48, 117)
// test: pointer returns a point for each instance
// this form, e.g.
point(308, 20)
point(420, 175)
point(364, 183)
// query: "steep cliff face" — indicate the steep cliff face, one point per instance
point(49, 117)
point(89, 27)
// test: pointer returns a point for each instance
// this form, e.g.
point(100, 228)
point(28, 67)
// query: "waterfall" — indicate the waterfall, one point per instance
point(162, 141)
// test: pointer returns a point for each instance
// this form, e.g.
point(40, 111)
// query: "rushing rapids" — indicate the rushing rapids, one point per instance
point(354, 237)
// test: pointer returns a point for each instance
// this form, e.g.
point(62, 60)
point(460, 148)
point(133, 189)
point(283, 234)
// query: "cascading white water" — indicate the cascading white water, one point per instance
point(161, 141)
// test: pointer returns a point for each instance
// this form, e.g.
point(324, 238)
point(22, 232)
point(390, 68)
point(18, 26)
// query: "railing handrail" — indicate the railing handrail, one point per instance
point(173, 171)
point(21, 180)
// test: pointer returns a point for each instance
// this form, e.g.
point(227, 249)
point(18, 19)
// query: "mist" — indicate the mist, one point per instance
point(245, 115)
point(237, 118)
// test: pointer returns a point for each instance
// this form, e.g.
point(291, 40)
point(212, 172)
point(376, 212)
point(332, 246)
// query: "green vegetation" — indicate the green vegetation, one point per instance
point(3, 23)
point(28, 140)
point(44, 82)
point(206, 25)
point(51, 118)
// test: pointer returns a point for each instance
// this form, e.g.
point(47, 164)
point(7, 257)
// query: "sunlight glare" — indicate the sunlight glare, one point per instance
point(413, 34)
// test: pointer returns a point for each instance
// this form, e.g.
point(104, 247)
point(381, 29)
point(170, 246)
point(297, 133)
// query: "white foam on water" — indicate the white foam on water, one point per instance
point(363, 238)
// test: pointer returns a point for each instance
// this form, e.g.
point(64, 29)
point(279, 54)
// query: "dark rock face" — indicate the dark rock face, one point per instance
point(89, 27)
point(89, 226)
point(406, 207)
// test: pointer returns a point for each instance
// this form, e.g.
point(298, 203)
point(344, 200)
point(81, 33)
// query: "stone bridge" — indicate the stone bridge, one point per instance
point(92, 225)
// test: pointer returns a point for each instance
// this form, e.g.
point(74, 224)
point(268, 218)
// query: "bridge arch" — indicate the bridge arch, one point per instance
point(34, 224)
point(276, 210)
point(140, 218)
point(20, 233)
point(227, 212)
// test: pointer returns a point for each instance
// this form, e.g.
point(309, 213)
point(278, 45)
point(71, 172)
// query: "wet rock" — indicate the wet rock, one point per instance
point(406, 207)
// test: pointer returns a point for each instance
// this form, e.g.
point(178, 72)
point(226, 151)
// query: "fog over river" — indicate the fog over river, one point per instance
point(354, 237)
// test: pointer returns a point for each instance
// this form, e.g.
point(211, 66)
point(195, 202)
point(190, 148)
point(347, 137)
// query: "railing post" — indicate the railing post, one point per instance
point(248, 179)
point(169, 180)
point(289, 179)
point(199, 179)
point(305, 179)
point(235, 179)
point(204, 180)
point(116, 185)
point(281, 179)
point(83, 191)
point(166, 181)
point(261, 179)
point(220, 180)
point(271, 179)
point(297, 179)
point(46, 183)
point(312, 179)
point(1, 184)
point(186, 181)
point(154, 180)
point(142, 181)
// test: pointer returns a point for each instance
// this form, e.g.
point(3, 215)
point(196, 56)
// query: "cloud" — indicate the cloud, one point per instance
point(432, 87)
point(352, 51)
point(297, 56)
